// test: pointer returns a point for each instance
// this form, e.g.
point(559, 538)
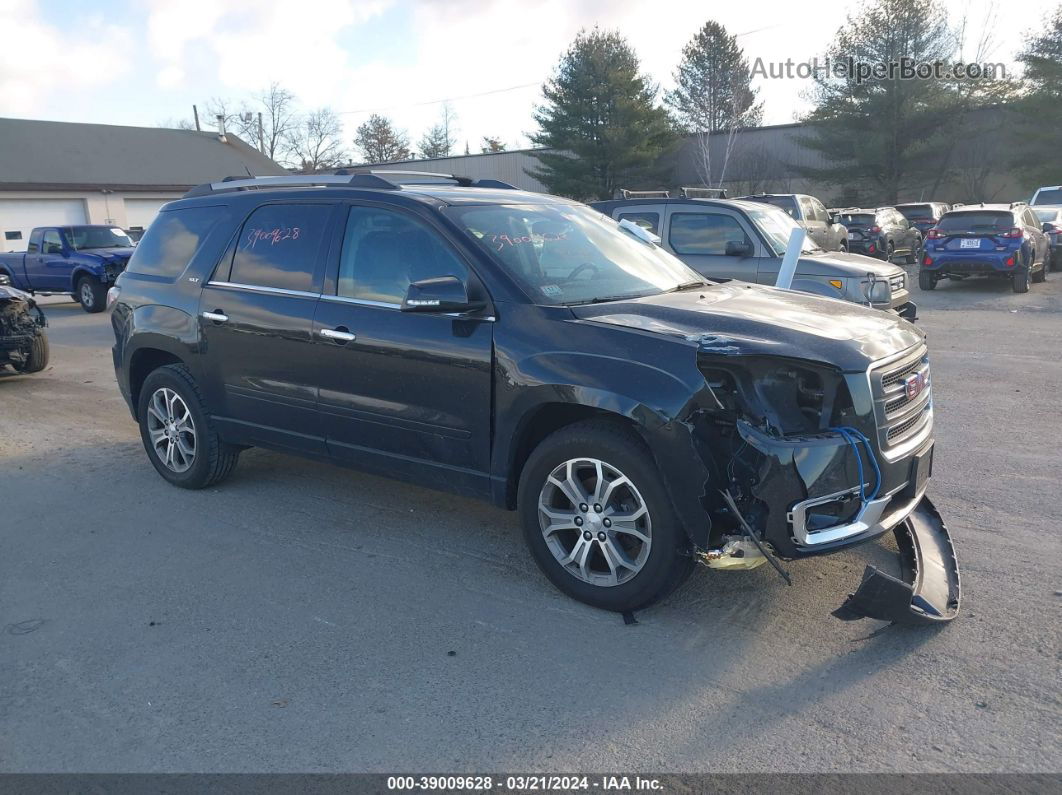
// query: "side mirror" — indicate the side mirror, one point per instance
point(441, 295)
point(738, 248)
point(831, 218)
point(1046, 228)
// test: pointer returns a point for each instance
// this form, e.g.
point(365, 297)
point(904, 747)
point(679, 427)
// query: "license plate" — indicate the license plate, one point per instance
point(921, 469)
point(969, 244)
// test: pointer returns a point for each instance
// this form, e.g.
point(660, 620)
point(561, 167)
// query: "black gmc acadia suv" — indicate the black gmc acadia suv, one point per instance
point(528, 350)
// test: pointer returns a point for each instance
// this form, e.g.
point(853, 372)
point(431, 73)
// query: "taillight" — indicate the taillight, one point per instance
point(934, 234)
point(1017, 231)
point(874, 229)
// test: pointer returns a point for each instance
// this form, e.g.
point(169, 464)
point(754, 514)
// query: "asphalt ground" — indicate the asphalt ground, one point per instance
point(303, 617)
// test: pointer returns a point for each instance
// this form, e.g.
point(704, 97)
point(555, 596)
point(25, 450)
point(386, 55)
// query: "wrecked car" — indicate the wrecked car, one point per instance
point(23, 341)
point(527, 350)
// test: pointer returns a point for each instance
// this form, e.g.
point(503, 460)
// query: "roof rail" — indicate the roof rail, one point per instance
point(702, 193)
point(374, 179)
point(645, 194)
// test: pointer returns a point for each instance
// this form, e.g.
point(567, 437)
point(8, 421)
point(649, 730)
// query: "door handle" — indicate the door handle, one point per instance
point(339, 335)
point(217, 317)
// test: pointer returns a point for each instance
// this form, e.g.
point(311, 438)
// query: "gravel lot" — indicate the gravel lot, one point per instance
point(302, 617)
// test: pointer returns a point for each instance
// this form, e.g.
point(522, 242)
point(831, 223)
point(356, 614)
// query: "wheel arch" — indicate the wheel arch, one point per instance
point(142, 363)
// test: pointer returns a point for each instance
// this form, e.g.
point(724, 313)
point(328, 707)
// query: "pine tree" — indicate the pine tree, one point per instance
point(1040, 106)
point(379, 141)
point(713, 90)
point(600, 120)
point(885, 133)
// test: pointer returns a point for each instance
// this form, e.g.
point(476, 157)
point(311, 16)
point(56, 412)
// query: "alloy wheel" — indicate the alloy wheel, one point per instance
point(171, 430)
point(595, 522)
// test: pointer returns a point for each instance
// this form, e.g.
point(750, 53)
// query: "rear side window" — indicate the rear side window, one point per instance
point(172, 240)
point(705, 233)
point(278, 246)
point(976, 222)
point(650, 221)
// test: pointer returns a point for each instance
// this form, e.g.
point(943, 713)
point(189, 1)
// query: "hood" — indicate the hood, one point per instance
point(857, 264)
point(118, 253)
point(739, 319)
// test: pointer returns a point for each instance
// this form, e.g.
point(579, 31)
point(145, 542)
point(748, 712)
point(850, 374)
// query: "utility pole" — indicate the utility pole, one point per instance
point(195, 112)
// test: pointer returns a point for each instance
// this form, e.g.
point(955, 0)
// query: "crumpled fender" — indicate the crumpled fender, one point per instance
point(928, 591)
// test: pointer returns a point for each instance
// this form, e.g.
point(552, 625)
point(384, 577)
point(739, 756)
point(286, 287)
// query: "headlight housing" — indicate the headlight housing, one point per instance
point(877, 291)
point(791, 396)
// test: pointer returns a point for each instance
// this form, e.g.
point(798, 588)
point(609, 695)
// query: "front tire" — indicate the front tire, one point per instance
point(91, 294)
point(180, 439)
point(597, 518)
point(37, 356)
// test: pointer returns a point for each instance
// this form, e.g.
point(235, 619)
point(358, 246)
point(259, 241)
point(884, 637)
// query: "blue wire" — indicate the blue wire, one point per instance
point(853, 436)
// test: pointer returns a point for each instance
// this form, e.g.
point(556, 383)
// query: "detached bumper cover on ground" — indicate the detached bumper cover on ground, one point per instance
point(928, 591)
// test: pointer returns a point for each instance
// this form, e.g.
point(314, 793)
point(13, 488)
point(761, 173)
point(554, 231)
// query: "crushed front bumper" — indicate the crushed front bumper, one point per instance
point(928, 589)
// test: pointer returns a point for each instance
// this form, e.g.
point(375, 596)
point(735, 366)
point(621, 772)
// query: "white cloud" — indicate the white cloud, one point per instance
point(36, 58)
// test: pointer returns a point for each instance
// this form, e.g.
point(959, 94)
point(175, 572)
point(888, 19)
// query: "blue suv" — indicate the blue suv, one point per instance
point(1000, 240)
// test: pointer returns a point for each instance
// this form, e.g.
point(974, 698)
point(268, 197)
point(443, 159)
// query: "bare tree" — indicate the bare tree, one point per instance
point(317, 141)
point(279, 119)
point(492, 144)
point(380, 142)
point(177, 124)
point(440, 138)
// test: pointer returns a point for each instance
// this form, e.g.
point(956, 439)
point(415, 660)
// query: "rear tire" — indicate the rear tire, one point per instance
point(180, 439)
point(927, 280)
point(890, 252)
point(91, 294)
point(1041, 275)
point(618, 569)
point(37, 358)
point(1020, 281)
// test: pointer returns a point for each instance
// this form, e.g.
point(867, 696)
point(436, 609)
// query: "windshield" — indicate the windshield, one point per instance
point(776, 225)
point(1047, 216)
point(912, 211)
point(1049, 196)
point(977, 222)
point(569, 254)
point(82, 238)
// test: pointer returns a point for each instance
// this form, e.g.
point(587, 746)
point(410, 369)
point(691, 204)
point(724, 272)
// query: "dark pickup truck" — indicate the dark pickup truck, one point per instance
point(83, 261)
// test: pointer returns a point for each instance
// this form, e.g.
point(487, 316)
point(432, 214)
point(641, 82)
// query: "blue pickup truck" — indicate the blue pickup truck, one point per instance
point(83, 261)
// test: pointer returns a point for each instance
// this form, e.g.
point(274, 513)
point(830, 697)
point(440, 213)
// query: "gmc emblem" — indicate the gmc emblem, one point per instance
point(914, 384)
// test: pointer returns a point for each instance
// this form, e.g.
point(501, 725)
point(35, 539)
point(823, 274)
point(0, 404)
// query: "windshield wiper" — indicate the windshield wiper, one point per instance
point(604, 299)
point(689, 286)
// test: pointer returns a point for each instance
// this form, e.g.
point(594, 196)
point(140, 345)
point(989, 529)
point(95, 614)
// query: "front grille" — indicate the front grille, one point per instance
point(901, 417)
point(897, 282)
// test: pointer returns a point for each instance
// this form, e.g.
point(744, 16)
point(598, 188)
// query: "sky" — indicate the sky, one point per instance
point(146, 63)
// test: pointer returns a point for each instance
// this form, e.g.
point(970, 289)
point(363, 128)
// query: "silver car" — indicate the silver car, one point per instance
point(735, 239)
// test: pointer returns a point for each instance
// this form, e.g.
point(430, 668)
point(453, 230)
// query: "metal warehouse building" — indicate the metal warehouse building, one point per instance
point(771, 159)
point(58, 173)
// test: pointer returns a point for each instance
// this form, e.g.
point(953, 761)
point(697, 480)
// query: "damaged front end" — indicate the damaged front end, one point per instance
point(20, 321)
point(801, 458)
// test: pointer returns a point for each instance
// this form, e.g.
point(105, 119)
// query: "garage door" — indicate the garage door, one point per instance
point(19, 216)
point(141, 212)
